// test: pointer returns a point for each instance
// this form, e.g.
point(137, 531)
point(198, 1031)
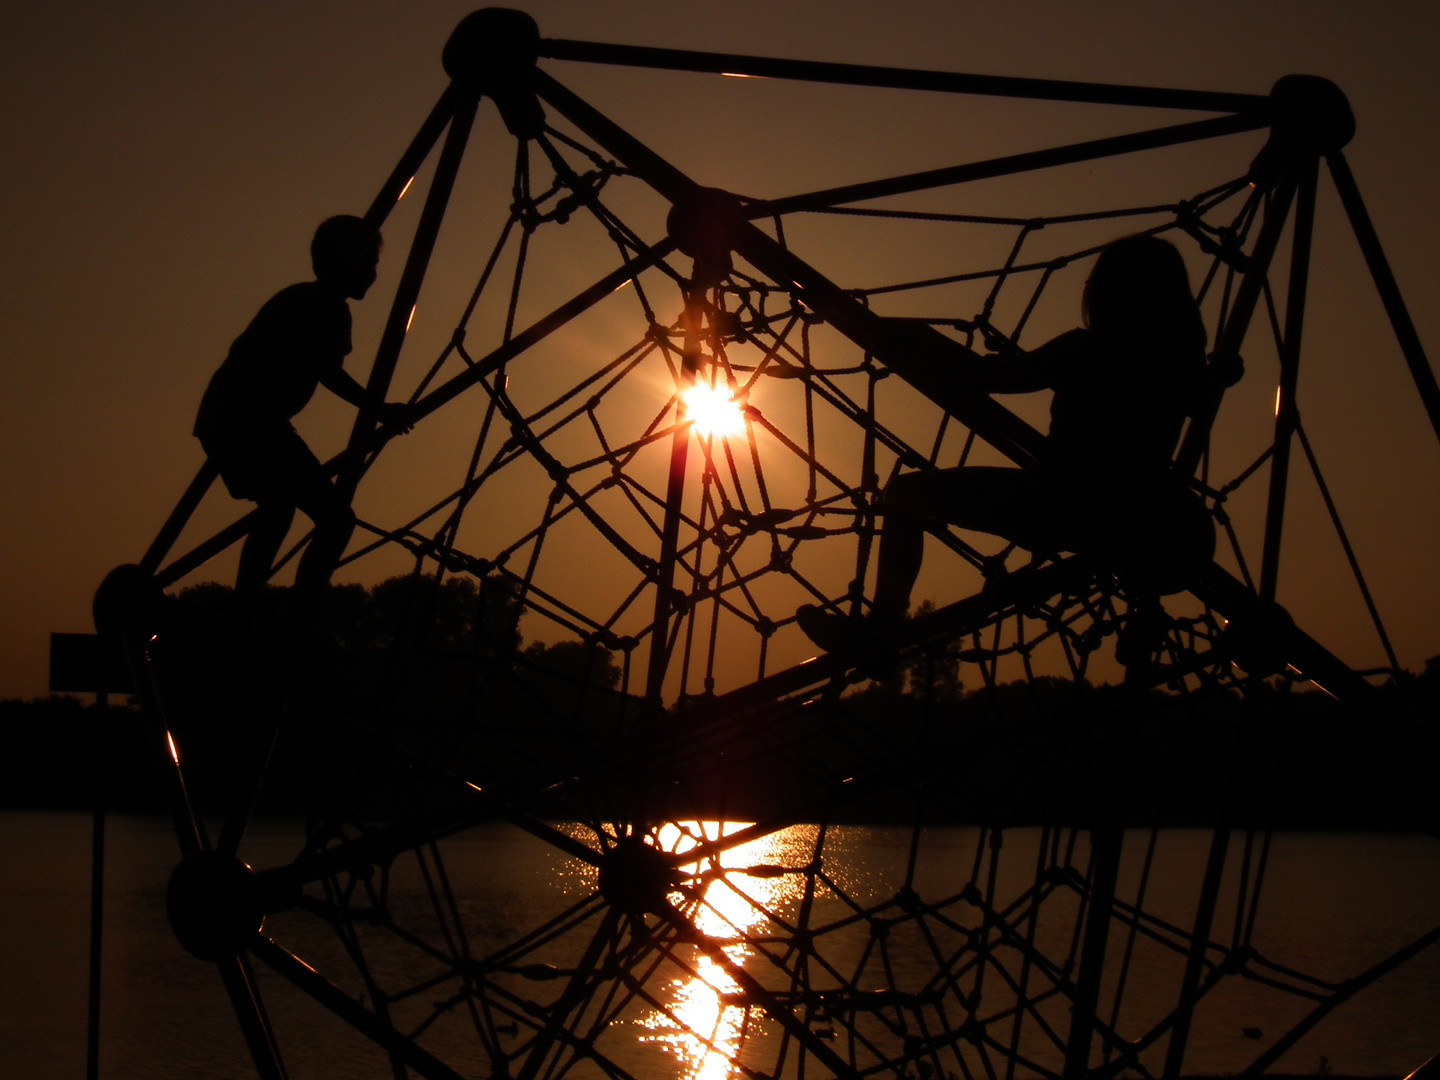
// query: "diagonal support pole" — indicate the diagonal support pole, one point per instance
point(1286, 411)
point(940, 368)
point(402, 308)
point(373, 1027)
point(1109, 841)
point(239, 980)
point(179, 517)
point(1232, 335)
point(1400, 321)
point(581, 986)
point(754, 991)
point(1010, 165)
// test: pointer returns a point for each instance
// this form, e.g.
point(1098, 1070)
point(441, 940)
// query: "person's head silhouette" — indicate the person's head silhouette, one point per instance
point(1139, 292)
point(338, 258)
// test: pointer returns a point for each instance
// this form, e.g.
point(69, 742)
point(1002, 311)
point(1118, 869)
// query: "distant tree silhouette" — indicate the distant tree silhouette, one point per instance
point(936, 674)
point(577, 661)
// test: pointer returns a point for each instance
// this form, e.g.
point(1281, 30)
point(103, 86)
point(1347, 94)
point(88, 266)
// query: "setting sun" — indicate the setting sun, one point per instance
point(713, 411)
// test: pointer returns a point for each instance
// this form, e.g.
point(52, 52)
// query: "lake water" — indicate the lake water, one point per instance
point(1333, 904)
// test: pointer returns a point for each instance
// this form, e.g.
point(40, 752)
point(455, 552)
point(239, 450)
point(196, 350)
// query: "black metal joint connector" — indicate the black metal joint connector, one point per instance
point(1312, 113)
point(492, 53)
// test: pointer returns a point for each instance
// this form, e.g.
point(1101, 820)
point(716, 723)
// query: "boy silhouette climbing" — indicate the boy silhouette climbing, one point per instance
point(1122, 389)
point(298, 340)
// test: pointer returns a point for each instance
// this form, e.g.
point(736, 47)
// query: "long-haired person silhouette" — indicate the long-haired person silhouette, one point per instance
point(1123, 387)
point(297, 341)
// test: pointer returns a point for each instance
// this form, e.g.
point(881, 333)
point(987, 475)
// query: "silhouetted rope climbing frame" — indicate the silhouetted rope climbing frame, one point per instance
point(649, 507)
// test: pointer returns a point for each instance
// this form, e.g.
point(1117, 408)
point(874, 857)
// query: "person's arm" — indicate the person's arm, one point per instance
point(1225, 370)
point(1207, 379)
point(1038, 369)
point(340, 383)
point(1023, 373)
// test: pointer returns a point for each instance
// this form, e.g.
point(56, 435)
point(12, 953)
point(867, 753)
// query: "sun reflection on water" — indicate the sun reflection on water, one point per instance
point(697, 1025)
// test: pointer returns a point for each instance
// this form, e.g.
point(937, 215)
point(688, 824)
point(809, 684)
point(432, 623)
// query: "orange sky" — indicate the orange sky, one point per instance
point(165, 163)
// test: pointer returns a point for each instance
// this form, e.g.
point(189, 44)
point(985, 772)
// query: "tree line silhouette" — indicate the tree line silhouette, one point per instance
point(417, 670)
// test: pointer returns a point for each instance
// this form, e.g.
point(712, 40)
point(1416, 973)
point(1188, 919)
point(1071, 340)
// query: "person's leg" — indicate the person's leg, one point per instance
point(257, 556)
point(985, 499)
point(334, 521)
point(907, 504)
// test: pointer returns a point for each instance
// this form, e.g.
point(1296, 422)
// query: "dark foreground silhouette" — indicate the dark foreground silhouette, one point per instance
point(297, 341)
point(484, 705)
point(1102, 484)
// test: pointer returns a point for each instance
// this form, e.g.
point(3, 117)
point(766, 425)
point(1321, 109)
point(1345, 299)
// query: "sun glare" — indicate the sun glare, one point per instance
point(705, 1032)
point(713, 411)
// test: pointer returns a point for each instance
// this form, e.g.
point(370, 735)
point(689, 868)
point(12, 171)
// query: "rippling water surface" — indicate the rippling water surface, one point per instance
point(1334, 903)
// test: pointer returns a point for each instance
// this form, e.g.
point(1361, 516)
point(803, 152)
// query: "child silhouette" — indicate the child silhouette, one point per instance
point(298, 340)
point(1122, 389)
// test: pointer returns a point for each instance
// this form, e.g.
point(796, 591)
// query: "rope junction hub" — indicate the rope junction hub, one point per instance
point(214, 905)
point(636, 877)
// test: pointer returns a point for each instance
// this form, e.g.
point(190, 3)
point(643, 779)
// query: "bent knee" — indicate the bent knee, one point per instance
point(331, 513)
point(907, 494)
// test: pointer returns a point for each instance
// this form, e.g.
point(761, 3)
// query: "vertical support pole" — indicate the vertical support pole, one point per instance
point(1210, 887)
point(1107, 837)
point(1389, 291)
point(411, 278)
point(1199, 939)
point(239, 984)
point(674, 496)
point(97, 884)
point(1232, 336)
point(1108, 840)
point(1286, 412)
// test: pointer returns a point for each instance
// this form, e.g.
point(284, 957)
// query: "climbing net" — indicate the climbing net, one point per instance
point(796, 437)
point(653, 516)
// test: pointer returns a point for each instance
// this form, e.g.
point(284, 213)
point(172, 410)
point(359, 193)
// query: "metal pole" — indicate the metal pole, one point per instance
point(970, 172)
point(1385, 284)
point(413, 157)
point(1232, 335)
point(937, 366)
point(403, 307)
point(1286, 412)
point(179, 517)
point(189, 832)
point(1108, 839)
point(1224, 592)
point(1199, 940)
point(257, 759)
point(952, 82)
point(239, 984)
point(306, 978)
point(674, 496)
point(97, 884)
